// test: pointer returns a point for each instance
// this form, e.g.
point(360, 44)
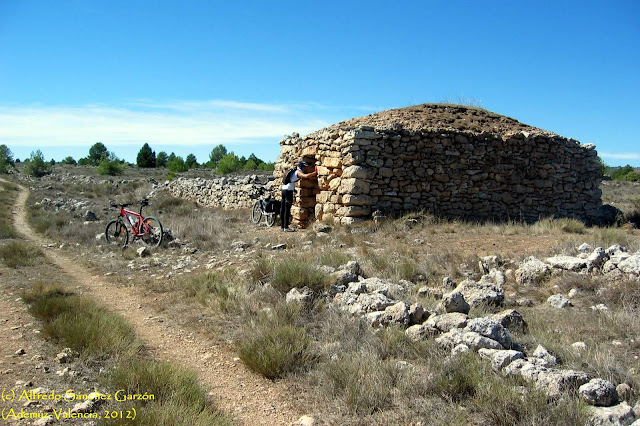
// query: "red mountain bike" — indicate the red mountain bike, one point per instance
point(147, 229)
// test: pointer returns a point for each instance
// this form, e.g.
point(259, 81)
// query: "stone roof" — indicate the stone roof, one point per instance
point(439, 117)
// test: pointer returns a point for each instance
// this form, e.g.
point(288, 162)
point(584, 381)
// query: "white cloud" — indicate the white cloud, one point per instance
point(169, 123)
point(621, 156)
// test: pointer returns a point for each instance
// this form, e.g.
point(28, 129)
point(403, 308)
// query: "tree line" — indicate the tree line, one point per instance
point(220, 161)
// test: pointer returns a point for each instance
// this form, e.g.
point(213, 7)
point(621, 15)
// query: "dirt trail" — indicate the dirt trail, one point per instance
point(249, 398)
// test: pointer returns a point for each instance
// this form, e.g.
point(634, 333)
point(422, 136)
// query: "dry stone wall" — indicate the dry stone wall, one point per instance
point(224, 192)
point(517, 175)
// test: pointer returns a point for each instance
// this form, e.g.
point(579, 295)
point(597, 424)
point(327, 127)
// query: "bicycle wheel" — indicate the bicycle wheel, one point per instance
point(152, 232)
point(256, 212)
point(116, 233)
point(270, 218)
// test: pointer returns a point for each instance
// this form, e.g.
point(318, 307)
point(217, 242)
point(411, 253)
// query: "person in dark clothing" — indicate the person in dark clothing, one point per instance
point(301, 172)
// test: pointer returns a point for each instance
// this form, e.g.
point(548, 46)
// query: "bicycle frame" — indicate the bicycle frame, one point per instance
point(138, 227)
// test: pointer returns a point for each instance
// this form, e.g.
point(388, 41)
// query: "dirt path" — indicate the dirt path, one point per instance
point(249, 398)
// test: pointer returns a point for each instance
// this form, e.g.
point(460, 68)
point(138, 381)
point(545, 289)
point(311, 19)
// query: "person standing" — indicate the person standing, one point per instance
point(289, 185)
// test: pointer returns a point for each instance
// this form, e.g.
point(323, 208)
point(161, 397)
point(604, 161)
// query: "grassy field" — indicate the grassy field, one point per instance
point(342, 369)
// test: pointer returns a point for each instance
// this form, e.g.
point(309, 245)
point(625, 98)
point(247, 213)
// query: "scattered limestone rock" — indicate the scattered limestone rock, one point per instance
point(296, 295)
point(487, 263)
point(568, 263)
point(630, 265)
point(454, 302)
point(446, 322)
point(45, 421)
point(476, 293)
point(596, 259)
point(599, 392)
point(343, 277)
point(579, 346)
point(306, 421)
point(585, 248)
point(477, 341)
point(420, 332)
point(143, 252)
point(542, 353)
point(624, 392)
point(512, 320)
point(559, 301)
point(282, 246)
point(460, 349)
point(555, 382)
point(621, 414)
point(417, 314)
point(387, 288)
point(490, 328)
point(397, 313)
point(500, 358)
point(532, 271)
point(448, 284)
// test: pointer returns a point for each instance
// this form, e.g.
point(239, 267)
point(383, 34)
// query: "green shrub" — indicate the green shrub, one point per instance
point(228, 164)
point(16, 254)
point(364, 382)
point(289, 273)
point(275, 344)
point(211, 286)
point(459, 378)
point(6, 159)
point(111, 166)
point(8, 194)
point(80, 323)
point(334, 258)
point(36, 166)
point(277, 350)
point(570, 226)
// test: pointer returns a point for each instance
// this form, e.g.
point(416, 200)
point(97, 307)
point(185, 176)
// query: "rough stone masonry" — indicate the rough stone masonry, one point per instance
point(453, 161)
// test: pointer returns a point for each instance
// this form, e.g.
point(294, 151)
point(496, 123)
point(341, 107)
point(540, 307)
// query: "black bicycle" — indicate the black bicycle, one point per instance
point(268, 207)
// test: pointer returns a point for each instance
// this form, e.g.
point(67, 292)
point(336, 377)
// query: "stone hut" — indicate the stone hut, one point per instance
point(453, 161)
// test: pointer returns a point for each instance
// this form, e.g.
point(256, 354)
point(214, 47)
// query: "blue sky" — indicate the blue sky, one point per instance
point(186, 76)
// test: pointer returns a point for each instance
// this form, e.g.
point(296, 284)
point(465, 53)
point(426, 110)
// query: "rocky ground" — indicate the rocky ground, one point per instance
point(509, 268)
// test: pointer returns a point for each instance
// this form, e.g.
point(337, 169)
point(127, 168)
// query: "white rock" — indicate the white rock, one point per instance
point(621, 414)
point(599, 392)
point(630, 265)
point(531, 271)
point(568, 263)
point(454, 302)
point(542, 353)
point(559, 301)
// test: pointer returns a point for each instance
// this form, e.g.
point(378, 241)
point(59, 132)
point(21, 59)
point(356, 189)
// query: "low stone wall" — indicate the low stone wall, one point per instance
point(225, 192)
point(479, 176)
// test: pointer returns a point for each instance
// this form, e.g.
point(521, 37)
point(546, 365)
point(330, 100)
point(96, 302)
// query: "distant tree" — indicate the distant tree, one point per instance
point(6, 159)
point(111, 165)
point(161, 159)
point(267, 167)
point(176, 164)
point(191, 161)
point(52, 162)
point(97, 152)
point(255, 159)
point(69, 160)
point(146, 157)
point(37, 167)
point(216, 155)
point(619, 173)
point(170, 158)
point(250, 165)
point(84, 161)
point(228, 164)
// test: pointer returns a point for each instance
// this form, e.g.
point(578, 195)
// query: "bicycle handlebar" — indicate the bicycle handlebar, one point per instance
point(143, 202)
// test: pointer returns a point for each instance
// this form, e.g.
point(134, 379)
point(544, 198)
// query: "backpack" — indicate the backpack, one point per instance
point(288, 176)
